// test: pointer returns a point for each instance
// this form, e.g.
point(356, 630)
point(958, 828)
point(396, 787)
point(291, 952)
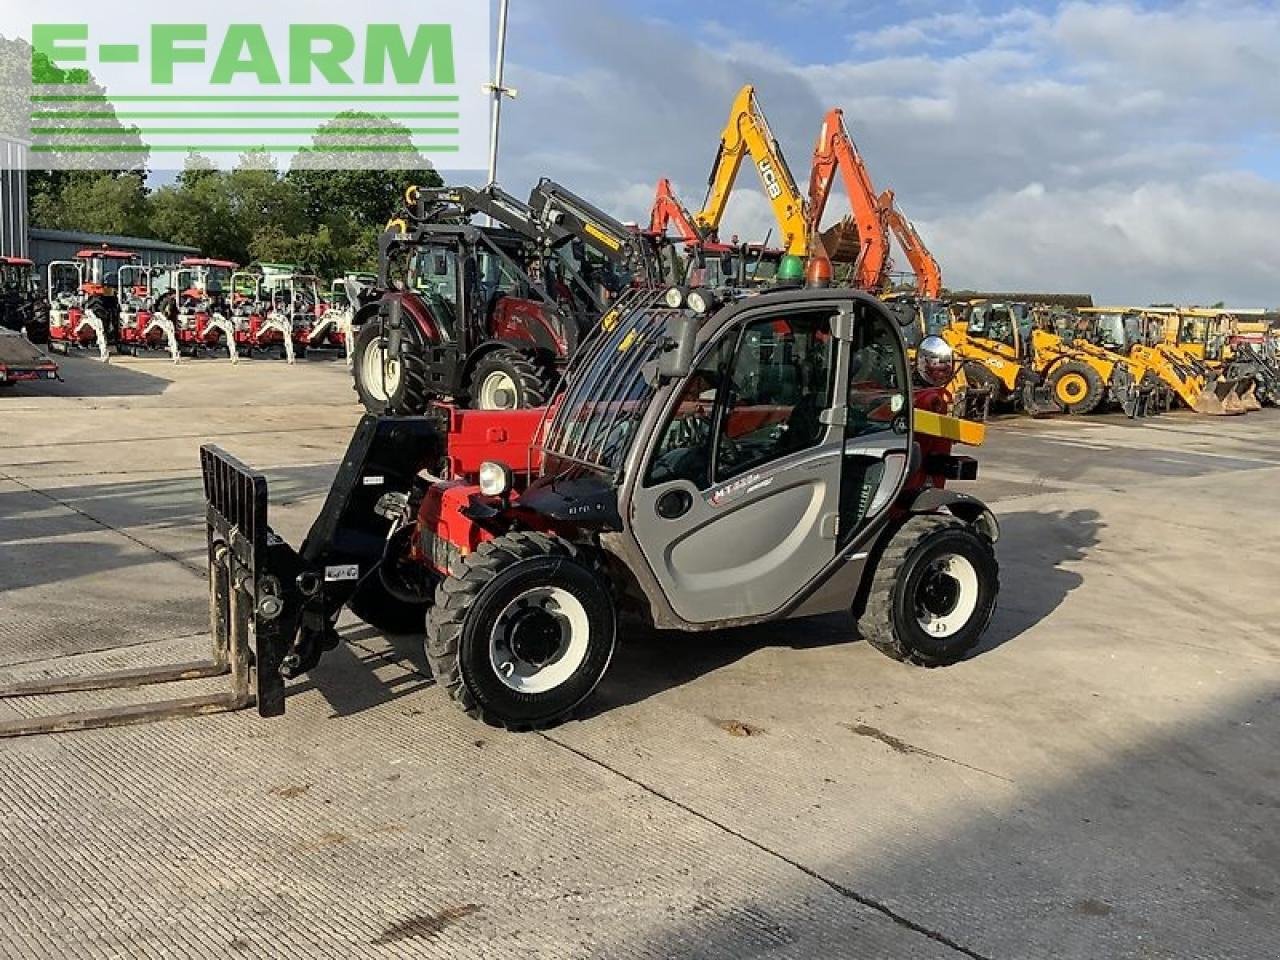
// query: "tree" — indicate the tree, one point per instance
point(336, 195)
point(97, 202)
point(61, 143)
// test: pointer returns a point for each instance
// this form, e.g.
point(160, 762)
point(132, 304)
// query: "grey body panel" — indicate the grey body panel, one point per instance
point(768, 547)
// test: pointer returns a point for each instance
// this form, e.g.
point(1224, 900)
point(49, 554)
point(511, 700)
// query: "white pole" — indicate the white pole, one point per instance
point(498, 91)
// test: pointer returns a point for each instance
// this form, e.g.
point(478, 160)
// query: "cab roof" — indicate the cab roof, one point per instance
point(89, 254)
point(205, 262)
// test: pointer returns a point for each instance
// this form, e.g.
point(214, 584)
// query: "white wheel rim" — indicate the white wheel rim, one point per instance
point(379, 373)
point(498, 391)
point(558, 610)
point(957, 583)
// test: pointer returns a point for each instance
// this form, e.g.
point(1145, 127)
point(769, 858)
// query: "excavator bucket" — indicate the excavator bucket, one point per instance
point(1138, 399)
point(842, 243)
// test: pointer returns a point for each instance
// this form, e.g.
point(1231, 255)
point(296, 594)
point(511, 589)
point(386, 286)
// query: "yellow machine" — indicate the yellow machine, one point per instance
point(1027, 360)
point(747, 132)
point(1215, 340)
point(1141, 336)
point(921, 317)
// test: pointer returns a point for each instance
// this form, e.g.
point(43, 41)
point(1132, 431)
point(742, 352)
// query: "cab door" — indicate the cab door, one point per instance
point(780, 447)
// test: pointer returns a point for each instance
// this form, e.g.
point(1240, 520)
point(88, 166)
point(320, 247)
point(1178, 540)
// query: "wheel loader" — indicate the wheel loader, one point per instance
point(1214, 338)
point(707, 464)
point(1188, 379)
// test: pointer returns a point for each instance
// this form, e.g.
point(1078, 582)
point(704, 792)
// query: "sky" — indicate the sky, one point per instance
point(1128, 151)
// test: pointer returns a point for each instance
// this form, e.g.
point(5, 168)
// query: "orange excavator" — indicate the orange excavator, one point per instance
point(923, 263)
point(863, 238)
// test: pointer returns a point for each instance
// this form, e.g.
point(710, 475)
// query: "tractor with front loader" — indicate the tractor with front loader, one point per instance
point(704, 465)
point(488, 316)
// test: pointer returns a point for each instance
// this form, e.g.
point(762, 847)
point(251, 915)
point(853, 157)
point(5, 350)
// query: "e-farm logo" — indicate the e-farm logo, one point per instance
point(403, 84)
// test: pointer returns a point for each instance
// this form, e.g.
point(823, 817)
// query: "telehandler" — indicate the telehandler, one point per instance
point(707, 464)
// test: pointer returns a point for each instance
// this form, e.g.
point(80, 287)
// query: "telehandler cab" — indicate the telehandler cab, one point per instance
point(705, 465)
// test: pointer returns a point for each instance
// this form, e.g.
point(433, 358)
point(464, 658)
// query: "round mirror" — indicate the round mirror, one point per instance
point(935, 361)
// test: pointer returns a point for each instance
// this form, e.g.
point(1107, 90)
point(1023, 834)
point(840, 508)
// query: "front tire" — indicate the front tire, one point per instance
point(389, 385)
point(506, 379)
point(522, 630)
point(933, 592)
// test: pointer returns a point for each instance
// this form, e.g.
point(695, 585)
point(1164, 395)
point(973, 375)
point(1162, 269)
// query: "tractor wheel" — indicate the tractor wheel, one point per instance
point(933, 592)
point(386, 385)
point(506, 379)
point(522, 630)
point(1076, 387)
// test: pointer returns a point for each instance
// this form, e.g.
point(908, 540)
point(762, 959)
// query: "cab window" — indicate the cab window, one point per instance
point(879, 386)
point(757, 397)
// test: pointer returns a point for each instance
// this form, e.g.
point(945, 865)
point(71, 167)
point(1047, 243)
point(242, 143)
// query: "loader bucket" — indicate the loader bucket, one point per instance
point(1221, 398)
point(1247, 391)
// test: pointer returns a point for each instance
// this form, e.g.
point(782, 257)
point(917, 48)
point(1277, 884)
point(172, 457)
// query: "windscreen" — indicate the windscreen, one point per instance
point(609, 391)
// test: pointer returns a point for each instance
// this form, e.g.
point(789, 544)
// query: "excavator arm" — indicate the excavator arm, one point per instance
point(668, 211)
point(556, 207)
point(923, 264)
point(862, 239)
point(748, 133)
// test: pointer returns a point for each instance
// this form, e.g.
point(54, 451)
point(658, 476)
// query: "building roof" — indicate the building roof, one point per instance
point(112, 240)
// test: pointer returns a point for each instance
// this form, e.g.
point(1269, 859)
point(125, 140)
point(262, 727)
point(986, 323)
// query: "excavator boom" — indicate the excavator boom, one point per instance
point(748, 133)
point(863, 239)
point(923, 264)
point(669, 211)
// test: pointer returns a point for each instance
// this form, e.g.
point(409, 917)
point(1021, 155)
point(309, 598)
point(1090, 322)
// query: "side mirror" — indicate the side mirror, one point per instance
point(935, 361)
point(675, 362)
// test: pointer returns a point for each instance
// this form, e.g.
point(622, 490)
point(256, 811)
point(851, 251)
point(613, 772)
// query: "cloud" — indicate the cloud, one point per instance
point(1105, 147)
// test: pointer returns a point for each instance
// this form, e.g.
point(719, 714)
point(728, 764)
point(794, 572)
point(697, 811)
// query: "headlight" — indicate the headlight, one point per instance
point(674, 298)
point(495, 478)
point(701, 302)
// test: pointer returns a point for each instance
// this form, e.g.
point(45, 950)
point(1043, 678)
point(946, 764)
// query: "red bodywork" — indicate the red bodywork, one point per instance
point(474, 436)
point(515, 320)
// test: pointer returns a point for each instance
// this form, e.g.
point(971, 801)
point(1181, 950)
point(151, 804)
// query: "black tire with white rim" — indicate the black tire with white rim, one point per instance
point(522, 630)
point(383, 383)
point(933, 592)
point(507, 379)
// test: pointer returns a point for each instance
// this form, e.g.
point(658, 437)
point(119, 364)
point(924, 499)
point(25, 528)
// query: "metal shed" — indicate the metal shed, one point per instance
point(13, 198)
point(49, 245)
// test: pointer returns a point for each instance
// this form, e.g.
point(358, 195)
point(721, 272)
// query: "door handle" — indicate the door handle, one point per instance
point(674, 504)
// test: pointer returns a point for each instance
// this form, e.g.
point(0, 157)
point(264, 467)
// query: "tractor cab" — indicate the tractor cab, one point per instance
point(201, 280)
point(102, 270)
point(18, 292)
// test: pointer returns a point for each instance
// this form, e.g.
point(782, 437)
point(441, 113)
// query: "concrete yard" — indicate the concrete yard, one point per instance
point(1101, 780)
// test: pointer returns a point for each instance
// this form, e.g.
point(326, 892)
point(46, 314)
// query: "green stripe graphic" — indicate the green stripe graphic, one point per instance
point(207, 131)
point(227, 148)
point(239, 115)
point(224, 98)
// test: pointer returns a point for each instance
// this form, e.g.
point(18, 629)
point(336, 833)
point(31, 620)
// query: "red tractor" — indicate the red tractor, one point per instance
point(707, 465)
point(197, 303)
point(84, 302)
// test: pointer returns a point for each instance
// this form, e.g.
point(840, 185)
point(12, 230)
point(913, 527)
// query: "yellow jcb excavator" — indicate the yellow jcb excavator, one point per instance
point(1035, 368)
point(1140, 334)
point(748, 133)
point(1214, 339)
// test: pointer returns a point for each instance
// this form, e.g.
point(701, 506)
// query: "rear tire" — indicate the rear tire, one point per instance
point(399, 387)
point(1077, 387)
point(933, 592)
point(522, 630)
point(506, 379)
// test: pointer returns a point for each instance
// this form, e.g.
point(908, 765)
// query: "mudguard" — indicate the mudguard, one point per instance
point(969, 509)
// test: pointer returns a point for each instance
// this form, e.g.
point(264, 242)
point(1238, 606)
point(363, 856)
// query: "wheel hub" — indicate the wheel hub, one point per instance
point(535, 636)
point(539, 640)
point(946, 595)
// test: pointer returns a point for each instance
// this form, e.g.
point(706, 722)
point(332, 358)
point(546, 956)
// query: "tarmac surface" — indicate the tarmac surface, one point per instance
point(1102, 779)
